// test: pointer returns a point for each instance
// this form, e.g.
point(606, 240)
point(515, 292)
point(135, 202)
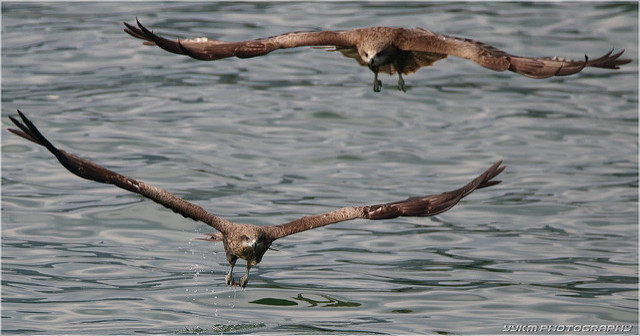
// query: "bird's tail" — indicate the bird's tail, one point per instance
point(214, 236)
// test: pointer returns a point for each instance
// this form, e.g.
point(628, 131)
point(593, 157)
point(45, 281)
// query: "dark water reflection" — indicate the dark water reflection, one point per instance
point(299, 132)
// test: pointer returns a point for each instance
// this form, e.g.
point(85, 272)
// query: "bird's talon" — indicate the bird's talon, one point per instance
point(401, 86)
point(377, 85)
point(243, 281)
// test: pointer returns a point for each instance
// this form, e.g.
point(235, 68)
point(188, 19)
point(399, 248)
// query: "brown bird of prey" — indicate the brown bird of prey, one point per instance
point(382, 49)
point(245, 241)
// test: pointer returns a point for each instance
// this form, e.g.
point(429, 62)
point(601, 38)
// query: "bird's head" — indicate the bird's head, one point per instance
point(253, 244)
point(376, 55)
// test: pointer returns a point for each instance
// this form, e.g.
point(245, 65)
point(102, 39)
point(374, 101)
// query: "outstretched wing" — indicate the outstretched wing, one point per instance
point(495, 59)
point(208, 50)
point(411, 207)
point(91, 171)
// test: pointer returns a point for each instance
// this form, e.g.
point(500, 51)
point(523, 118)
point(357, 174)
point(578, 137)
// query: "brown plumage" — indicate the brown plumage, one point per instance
point(245, 241)
point(382, 49)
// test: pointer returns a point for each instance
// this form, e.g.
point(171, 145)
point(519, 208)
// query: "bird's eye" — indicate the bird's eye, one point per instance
point(245, 238)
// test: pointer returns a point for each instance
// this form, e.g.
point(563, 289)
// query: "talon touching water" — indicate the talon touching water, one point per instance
point(246, 241)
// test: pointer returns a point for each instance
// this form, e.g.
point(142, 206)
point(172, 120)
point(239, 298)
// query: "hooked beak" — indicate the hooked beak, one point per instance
point(372, 66)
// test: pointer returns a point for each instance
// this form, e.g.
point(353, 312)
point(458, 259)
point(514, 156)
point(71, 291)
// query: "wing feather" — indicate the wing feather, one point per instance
point(411, 207)
point(208, 50)
point(433, 204)
point(495, 59)
point(91, 171)
point(544, 67)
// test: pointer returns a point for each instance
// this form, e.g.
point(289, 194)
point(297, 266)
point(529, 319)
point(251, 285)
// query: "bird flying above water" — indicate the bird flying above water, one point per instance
point(382, 49)
point(246, 241)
